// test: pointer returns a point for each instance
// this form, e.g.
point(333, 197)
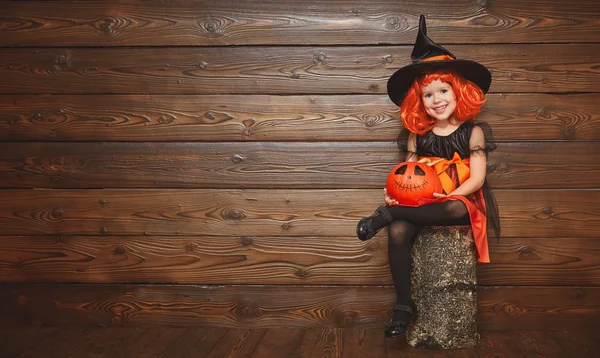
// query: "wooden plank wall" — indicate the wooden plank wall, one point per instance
point(193, 163)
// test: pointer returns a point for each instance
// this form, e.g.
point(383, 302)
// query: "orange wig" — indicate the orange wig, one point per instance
point(469, 99)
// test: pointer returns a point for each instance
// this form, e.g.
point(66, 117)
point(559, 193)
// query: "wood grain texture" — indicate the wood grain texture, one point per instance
point(13, 343)
point(150, 343)
point(280, 342)
point(140, 334)
point(160, 23)
point(537, 344)
point(576, 341)
point(497, 344)
point(83, 338)
point(354, 343)
point(500, 308)
point(546, 68)
point(105, 345)
point(230, 135)
point(194, 342)
point(325, 165)
point(322, 343)
point(275, 260)
point(273, 118)
point(46, 344)
point(237, 343)
point(256, 212)
point(361, 343)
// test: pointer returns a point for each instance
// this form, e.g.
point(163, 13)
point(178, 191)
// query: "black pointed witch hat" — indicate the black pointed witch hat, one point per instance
point(427, 56)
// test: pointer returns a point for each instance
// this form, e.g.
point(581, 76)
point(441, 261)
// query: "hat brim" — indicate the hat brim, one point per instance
point(400, 82)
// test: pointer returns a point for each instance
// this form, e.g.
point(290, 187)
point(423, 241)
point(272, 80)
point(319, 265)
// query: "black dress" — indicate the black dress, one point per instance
point(432, 145)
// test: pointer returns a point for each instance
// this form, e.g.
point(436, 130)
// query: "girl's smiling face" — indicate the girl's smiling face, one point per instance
point(439, 100)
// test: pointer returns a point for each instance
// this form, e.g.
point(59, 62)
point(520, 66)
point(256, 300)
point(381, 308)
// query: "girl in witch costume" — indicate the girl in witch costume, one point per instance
point(439, 97)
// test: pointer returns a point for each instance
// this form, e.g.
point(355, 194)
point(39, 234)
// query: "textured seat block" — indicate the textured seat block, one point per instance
point(443, 287)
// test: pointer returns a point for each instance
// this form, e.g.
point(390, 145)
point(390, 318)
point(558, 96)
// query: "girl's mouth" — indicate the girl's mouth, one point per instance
point(441, 109)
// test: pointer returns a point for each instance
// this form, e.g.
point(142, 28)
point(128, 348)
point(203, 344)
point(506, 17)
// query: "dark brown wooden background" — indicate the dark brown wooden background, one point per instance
point(193, 163)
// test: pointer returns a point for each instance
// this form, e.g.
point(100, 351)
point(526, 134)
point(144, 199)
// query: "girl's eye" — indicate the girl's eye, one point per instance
point(444, 90)
point(427, 95)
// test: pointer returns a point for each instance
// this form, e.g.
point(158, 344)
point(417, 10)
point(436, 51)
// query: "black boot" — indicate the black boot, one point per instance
point(365, 229)
point(401, 318)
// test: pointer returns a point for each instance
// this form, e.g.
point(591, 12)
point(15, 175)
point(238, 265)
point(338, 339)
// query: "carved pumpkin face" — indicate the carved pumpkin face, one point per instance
point(409, 181)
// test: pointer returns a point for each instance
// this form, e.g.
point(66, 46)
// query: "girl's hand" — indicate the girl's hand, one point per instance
point(438, 195)
point(389, 201)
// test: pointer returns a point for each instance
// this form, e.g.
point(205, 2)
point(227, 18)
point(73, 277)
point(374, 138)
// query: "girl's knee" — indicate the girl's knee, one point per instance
point(401, 232)
point(456, 209)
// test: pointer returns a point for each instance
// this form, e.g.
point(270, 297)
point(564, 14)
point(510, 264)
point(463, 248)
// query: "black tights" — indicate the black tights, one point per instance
point(403, 230)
